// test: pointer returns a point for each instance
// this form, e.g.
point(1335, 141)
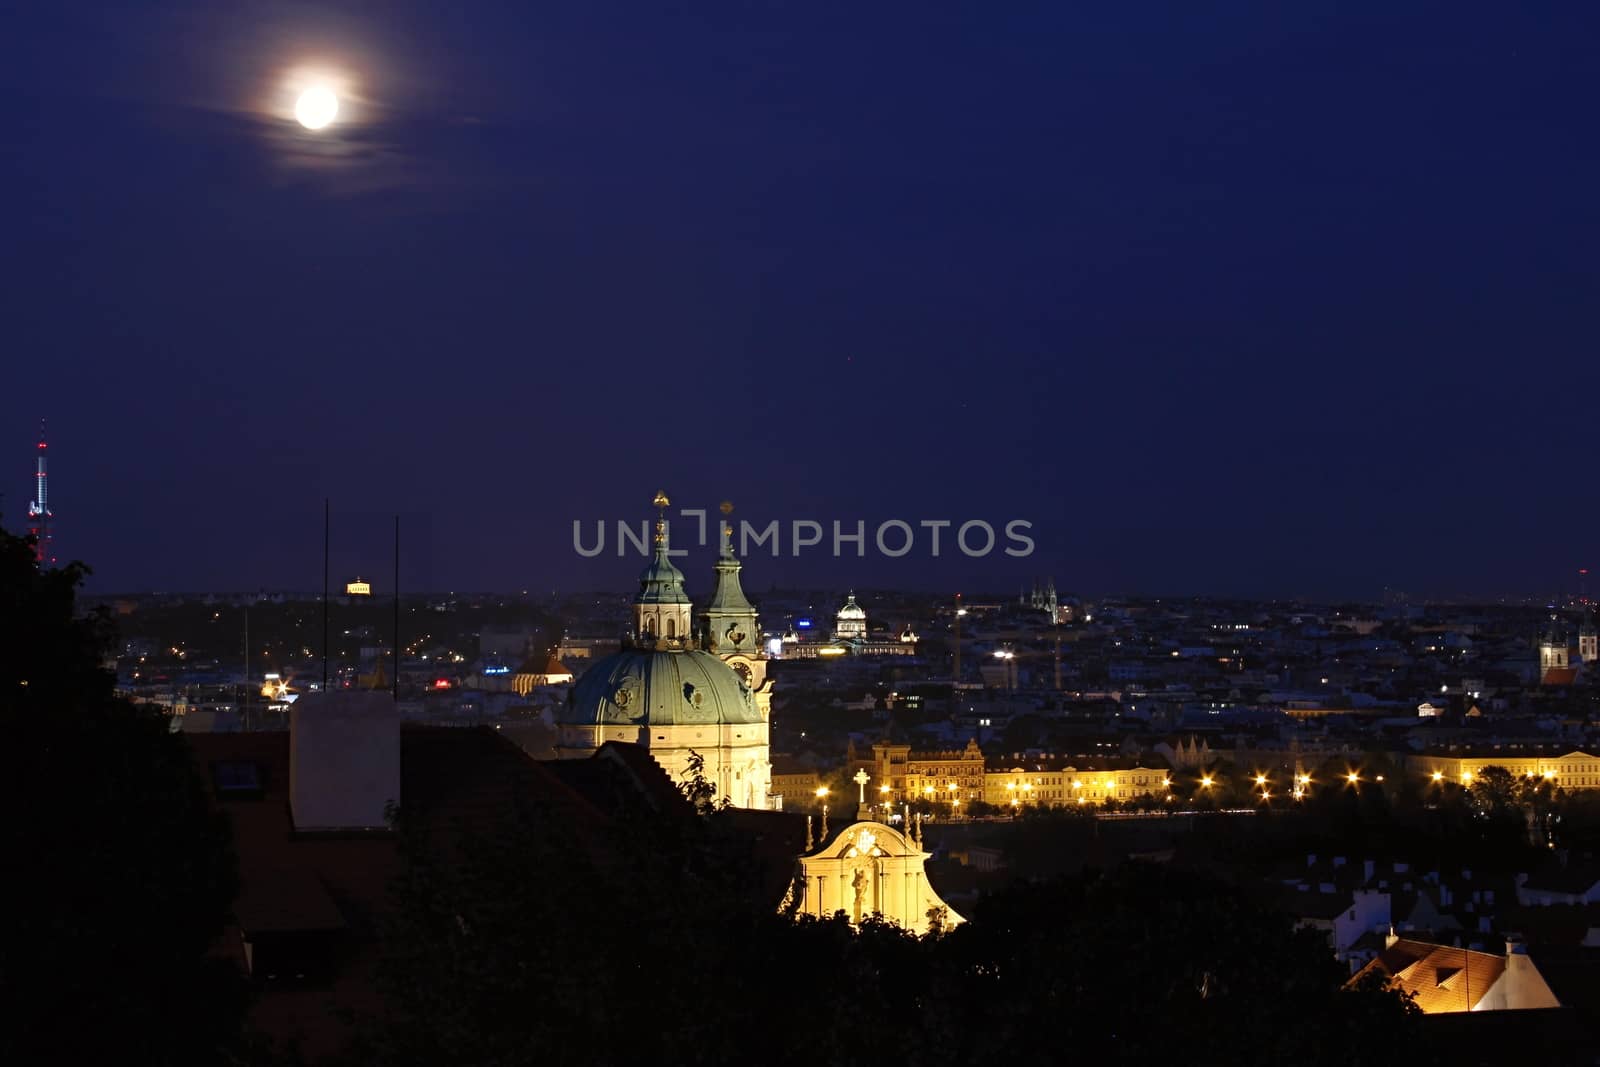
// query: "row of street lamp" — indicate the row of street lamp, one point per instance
point(1020, 793)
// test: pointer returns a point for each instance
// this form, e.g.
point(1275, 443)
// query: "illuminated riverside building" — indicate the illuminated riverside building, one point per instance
point(1017, 786)
point(962, 776)
point(1574, 770)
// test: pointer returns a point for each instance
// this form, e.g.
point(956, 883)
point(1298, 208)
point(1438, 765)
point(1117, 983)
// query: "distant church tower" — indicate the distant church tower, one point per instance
point(729, 627)
point(1588, 641)
point(1553, 647)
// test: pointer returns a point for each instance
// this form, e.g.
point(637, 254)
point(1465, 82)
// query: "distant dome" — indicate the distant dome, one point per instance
point(852, 610)
point(640, 686)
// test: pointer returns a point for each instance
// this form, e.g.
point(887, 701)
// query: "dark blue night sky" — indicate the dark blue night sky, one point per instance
point(1235, 298)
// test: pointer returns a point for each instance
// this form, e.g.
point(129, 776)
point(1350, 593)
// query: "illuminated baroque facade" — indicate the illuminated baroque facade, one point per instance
point(869, 869)
point(680, 692)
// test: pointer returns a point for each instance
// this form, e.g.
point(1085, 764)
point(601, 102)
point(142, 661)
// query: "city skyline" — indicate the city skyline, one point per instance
point(1266, 303)
point(853, 554)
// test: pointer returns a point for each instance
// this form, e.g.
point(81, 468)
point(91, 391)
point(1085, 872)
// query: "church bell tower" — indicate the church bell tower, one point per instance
point(728, 625)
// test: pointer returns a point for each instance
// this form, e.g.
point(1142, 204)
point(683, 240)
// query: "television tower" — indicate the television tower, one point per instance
point(40, 520)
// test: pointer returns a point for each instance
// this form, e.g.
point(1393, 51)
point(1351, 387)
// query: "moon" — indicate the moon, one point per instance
point(316, 107)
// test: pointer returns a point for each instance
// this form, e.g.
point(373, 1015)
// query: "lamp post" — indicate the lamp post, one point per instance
point(1008, 664)
point(822, 799)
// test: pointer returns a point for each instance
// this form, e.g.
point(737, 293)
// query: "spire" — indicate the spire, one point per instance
point(39, 514)
point(729, 619)
point(661, 610)
point(726, 551)
point(661, 582)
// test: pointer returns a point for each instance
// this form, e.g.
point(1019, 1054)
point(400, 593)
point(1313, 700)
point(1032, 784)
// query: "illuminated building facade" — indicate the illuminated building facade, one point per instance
point(536, 671)
point(1574, 770)
point(962, 776)
point(850, 624)
point(869, 869)
point(939, 777)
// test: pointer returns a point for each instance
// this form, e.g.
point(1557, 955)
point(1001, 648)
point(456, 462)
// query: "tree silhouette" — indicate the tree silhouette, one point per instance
point(120, 876)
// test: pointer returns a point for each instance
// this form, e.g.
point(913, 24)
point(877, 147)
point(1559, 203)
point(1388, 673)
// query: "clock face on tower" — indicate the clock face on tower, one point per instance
point(743, 671)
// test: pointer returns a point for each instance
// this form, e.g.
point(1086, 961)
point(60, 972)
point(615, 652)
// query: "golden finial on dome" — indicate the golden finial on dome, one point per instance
point(660, 503)
point(726, 507)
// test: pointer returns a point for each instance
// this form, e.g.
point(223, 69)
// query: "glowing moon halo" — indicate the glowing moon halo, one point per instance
point(316, 107)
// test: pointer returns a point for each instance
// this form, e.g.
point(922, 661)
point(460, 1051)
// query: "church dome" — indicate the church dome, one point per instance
point(661, 583)
point(852, 610)
point(642, 686)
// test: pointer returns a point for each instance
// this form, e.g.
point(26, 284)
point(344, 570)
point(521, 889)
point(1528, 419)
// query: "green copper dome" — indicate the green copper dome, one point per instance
point(640, 686)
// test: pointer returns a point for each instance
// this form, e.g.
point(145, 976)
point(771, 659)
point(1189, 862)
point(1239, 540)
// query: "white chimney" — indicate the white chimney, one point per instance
point(344, 760)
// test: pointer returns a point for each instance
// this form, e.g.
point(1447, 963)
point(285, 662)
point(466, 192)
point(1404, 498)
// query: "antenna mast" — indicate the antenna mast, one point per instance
point(39, 515)
point(326, 524)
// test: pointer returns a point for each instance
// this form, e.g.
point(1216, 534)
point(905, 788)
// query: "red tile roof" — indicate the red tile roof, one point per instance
point(1442, 978)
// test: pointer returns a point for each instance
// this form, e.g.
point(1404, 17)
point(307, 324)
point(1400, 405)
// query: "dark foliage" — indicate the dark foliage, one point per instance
point(645, 943)
point(118, 874)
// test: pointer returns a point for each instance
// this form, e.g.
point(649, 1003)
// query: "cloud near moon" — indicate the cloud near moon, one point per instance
point(250, 67)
